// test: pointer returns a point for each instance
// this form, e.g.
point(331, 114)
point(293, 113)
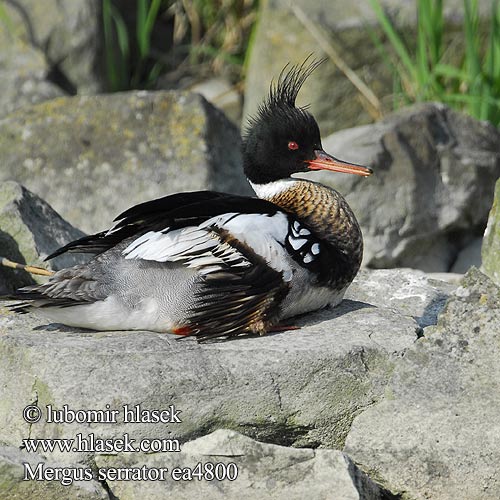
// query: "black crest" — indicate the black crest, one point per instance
point(283, 93)
point(290, 81)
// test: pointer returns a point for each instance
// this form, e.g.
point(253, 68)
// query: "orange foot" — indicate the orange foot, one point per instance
point(182, 330)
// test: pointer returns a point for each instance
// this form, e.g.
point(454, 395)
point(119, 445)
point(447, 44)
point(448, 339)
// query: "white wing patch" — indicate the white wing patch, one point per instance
point(201, 247)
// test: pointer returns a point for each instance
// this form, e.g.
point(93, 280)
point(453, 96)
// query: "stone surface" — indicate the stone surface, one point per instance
point(93, 157)
point(491, 242)
point(436, 434)
point(300, 388)
point(432, 187)
point(67, 33)
point(407, 291)
point(281, 38)
point(221, 94)
point(12, 486)
point(264, 471)
point(23, 73)
point(30, 230)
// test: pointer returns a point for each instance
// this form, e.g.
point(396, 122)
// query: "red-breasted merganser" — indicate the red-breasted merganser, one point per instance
point(211, 264)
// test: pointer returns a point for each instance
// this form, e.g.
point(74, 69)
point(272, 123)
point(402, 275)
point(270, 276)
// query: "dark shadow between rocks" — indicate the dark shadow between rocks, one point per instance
point(431, 311)
point(12, 279)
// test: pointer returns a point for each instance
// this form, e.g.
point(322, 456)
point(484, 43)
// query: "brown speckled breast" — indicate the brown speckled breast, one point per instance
point(327, 214)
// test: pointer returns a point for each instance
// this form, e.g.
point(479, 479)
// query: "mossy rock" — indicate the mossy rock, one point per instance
point(491, 241)
point(93, 157)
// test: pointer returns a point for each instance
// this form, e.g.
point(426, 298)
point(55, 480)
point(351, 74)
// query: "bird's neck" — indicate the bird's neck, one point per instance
point(322, 209)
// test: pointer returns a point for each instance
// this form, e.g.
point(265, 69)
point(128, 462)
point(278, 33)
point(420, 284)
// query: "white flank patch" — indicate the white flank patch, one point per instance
point(199, 247)
point(264, 234)
point(109, 314)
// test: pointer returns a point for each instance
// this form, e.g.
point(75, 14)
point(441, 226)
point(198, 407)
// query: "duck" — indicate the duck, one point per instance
point(208, 264)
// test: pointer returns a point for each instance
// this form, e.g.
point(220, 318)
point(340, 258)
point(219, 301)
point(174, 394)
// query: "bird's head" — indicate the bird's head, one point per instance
point(283, 139)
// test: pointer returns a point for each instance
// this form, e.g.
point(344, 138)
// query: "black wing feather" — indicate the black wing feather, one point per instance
point(175, 211)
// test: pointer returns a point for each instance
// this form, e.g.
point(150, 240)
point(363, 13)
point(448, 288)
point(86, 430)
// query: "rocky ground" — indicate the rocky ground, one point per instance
point(391, 395)
point(401, 377)
point(299, 388)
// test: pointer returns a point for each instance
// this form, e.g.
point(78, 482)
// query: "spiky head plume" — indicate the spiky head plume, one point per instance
point(283, 92)
point(290, 81)
point(278, 123)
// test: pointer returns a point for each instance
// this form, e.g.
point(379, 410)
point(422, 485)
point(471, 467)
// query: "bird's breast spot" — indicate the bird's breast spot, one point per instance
point(297, 243)
point(308, 258)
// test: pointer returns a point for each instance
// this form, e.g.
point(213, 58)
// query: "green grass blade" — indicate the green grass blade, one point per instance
point(147, 13)
point(449, 71)
point(394, 38)
point(122, 37)
point(5, 19)
point(493, 61)
point(473, 63)
point(112, 72)
point(422, 67)
point(151, 17)
point(140, 28)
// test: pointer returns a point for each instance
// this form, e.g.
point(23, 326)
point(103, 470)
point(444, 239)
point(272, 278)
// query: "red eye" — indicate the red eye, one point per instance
point(292, 145)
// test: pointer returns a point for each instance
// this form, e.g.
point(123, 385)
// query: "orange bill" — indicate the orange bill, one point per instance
point(324, 161)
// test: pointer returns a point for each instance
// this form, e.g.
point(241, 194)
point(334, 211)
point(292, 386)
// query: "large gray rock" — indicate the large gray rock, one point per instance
point(30, 230)
point(23, 73)
point(263, 471)
point(12, 486)
point(66, 32)
point(93, 157)
point(280, 37)
point(300, 388)
point(491, 242)
point(432, 187)
point(436, 433)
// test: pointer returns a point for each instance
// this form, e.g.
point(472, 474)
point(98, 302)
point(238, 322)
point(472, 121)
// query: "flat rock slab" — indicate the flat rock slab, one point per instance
point(408, 291)
point(93, 157)
point(300, 388)
point(12, 485)
point(436, 434)
point(263, 471)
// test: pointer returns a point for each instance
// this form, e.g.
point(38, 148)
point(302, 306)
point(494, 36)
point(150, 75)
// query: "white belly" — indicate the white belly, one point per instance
point(111, 314)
